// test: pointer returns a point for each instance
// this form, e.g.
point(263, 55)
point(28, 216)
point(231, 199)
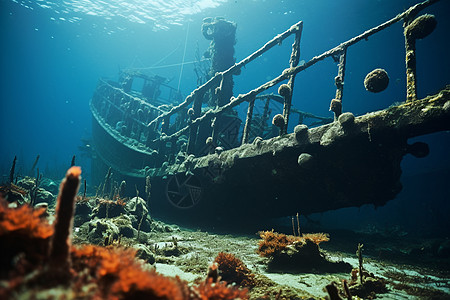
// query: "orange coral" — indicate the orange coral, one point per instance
point(117, 201)
point(23, 221)
point(119, 275)
point(22, 231)
point(316, 238)
point(232, 269)
point(208, 290)
point(273, 242)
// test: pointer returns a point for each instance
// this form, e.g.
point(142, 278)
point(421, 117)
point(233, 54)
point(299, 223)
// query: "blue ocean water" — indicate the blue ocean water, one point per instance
point(53, 53)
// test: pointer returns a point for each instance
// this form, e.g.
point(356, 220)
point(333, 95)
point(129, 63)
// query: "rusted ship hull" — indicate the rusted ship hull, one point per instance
point(351, 162)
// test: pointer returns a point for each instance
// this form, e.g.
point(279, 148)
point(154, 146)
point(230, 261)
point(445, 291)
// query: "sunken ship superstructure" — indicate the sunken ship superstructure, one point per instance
point(204, 162)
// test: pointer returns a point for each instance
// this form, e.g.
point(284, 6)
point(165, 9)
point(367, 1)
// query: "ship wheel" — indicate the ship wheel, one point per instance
point(184, 191)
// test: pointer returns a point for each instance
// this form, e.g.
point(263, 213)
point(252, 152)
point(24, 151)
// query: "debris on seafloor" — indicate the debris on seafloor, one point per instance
point(40, 261)
point(364, 284)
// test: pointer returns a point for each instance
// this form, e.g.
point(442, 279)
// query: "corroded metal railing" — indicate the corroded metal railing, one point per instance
point(339, 53)
point(159, 129)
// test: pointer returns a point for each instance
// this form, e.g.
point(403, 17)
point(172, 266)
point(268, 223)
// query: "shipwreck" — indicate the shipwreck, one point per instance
point(206, 163)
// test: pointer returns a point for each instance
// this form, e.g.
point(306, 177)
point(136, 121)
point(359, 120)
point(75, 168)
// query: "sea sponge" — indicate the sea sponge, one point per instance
point(336, 106)
point(421, 27)
point(346, 119)
point(278, 120)
point(285, 90)
point(62, 238)
point(120, 276)
point(273, 243)
point(232, 269)
point(209, 290)
point(305, 160)
point(376, 81)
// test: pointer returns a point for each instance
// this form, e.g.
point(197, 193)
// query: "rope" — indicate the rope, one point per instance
point(171, 65)
point(184, 55)
point(164, 58)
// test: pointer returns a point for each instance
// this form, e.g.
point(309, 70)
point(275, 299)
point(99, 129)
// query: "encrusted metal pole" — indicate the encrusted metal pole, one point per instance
point(336, 103)
point(410, 60)
point(193, 113)
point(248, 121)
point(414, 30)
point(295, 57)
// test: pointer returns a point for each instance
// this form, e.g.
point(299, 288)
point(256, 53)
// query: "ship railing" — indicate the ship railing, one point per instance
point(126, 115)
point(338, 53)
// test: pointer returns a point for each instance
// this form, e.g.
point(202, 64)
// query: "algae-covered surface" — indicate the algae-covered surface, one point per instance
point(118, 251)
point(188, 254)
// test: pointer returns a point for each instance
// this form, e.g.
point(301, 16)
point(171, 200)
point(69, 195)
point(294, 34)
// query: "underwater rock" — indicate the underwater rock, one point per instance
point(144, 253)
point(158, 226)
point(108, 209)
point(13, 194)
point(376, 81)
point(83, 208)
point(102, 229)
point(49, 185)
point(27, 182)
point(287, 253)
point(125, 224)
point(44, 196)
point(143, 223)
point(371, 285)
point(82, 213)
point(128, 232)
point(305, 256)
point(136, 206)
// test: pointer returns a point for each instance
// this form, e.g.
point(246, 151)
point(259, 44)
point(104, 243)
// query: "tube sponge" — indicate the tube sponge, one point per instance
point(61, 241)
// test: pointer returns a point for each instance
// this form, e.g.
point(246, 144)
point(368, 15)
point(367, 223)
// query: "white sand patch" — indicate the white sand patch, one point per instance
point(171, 270)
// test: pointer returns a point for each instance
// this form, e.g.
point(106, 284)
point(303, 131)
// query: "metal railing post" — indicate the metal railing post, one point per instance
point(336, 105)
point(248, 121)
point(295, 57)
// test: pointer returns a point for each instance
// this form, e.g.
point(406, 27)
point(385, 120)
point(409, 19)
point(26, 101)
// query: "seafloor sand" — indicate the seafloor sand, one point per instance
point(196, 250)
